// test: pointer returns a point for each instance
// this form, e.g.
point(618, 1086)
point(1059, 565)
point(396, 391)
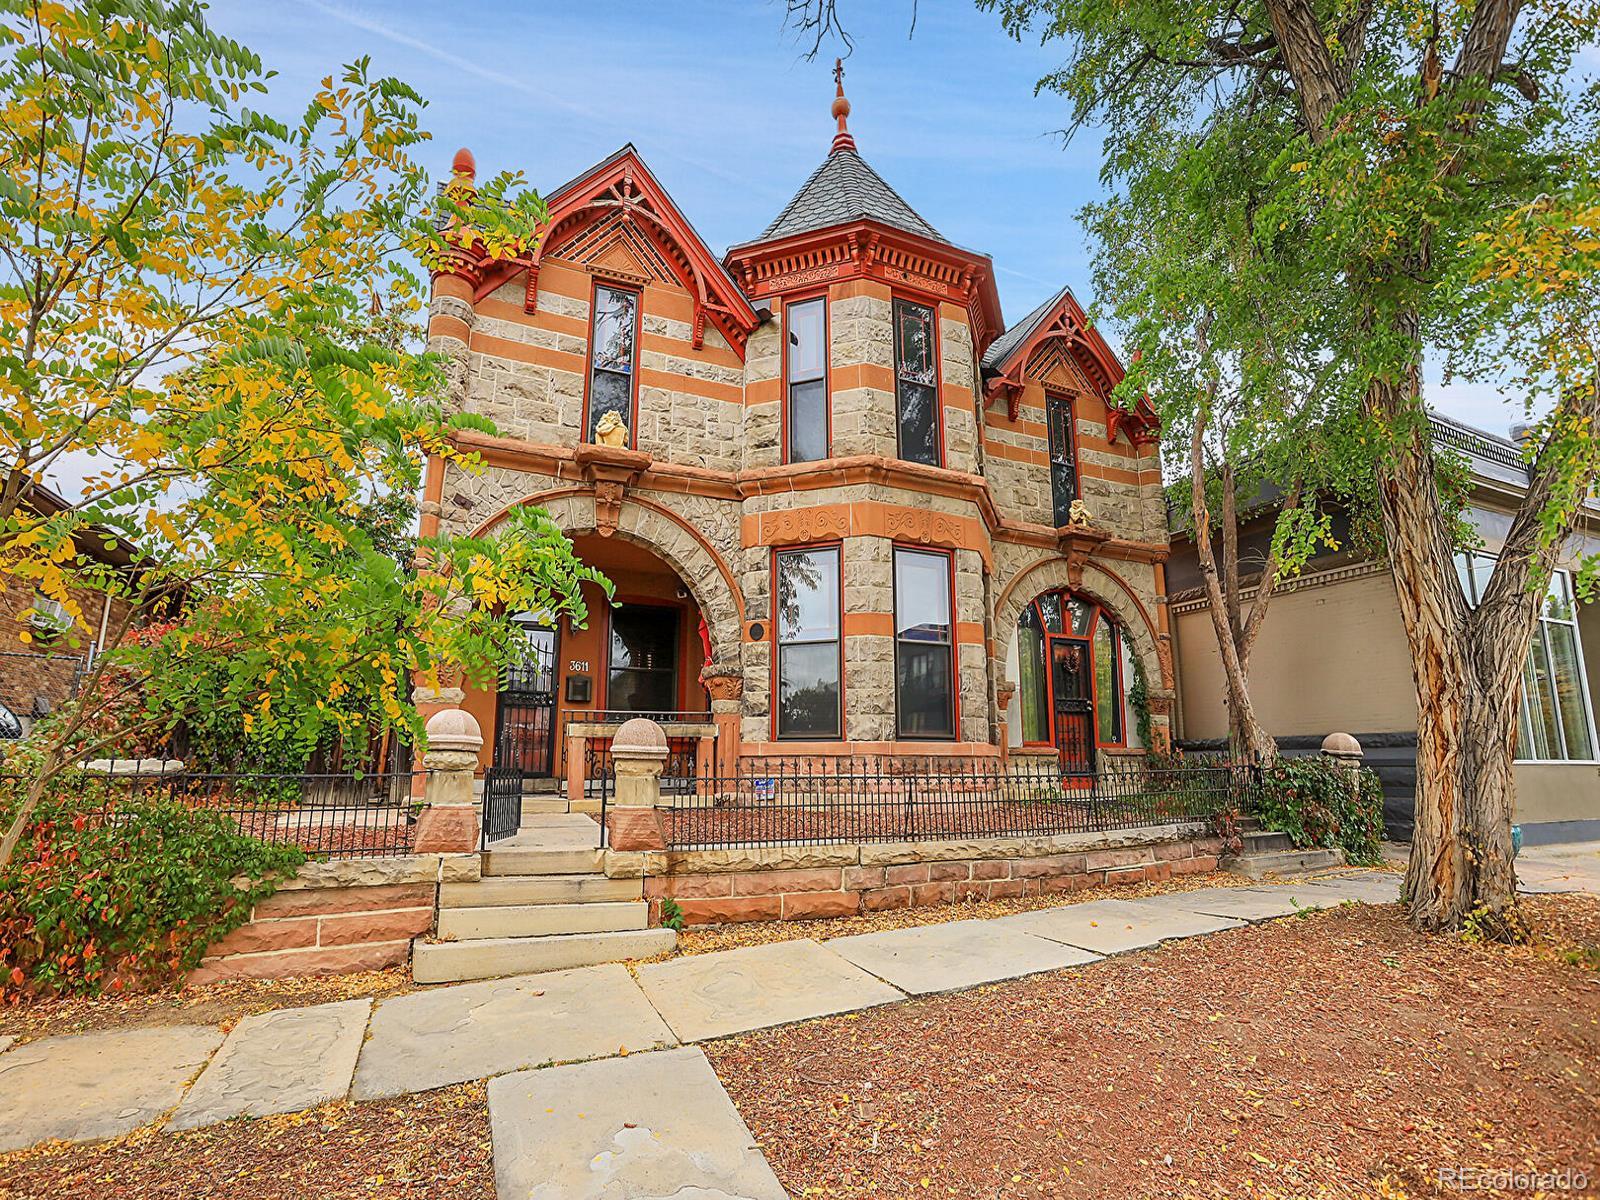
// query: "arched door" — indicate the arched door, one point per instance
point(1072, 698)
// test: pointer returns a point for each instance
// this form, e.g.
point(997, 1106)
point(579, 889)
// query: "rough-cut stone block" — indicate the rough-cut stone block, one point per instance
point(375, 927)
point(859, 879)
point(995, 869)
point(323, 901)
point(1198, 865)
point(803, 905)
point(1048, 866)
point(953, 872)
point(278, 1062)
point(1008, 889)
point(446, 830)
point(883, 899)
point(1105, 860)
point(1167, 851)
point(291, 934)
point(910, 873)
point(932, 893)
point(327, 960)
point(715, 910)
point(761, 883)
point(698, 886)
point(635, 829)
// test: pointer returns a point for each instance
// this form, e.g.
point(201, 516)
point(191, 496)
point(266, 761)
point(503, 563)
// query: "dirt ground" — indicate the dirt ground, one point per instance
point(1340, 1055)
point(434, 1146)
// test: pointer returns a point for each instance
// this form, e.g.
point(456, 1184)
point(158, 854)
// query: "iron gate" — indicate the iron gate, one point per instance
point(525, 720)
point(502, 803)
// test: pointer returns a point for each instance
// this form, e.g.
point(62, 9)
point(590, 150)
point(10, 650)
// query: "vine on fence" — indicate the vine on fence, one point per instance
point(126, 898)
point(1313, 801)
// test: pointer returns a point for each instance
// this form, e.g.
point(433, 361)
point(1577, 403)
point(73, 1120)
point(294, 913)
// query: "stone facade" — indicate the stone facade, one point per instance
point(704, 486)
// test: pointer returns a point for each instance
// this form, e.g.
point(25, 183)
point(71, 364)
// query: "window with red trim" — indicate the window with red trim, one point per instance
point(924, 645)
point(613, 353)
point(806, 364)
point(807, 623)
point(916, 375)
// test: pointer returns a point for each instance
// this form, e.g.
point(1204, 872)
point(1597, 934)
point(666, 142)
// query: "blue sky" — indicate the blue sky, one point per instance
point(721, 103)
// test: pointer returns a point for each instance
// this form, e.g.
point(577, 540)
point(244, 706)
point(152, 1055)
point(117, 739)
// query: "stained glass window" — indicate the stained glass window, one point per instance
point(612, 347)
point(916, 380)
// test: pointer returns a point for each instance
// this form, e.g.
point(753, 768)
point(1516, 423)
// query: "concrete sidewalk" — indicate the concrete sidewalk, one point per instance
point(93, 1086)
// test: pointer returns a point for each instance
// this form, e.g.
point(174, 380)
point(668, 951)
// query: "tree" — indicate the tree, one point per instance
point(1232, 361)
point(1407, 133)
point(213, 309)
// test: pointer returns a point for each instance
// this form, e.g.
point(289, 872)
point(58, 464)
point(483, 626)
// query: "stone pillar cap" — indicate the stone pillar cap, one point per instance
point(639, 737)
point(454, 729)
point(1341, 745)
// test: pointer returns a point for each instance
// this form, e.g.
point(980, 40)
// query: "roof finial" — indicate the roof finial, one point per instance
point(841, 110)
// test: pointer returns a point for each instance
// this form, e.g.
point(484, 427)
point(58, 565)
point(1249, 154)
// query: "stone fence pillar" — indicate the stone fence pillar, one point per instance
point(449, 823)
point(1345, 752)
point(638, 753)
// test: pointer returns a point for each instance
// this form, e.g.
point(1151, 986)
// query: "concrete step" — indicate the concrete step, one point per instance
point(1280, 863)
point(529, 861)
point(542, 806)
point(543, 786)
point(542, 920)
point(1260, 841)
point(508, 890)
point(486, 958)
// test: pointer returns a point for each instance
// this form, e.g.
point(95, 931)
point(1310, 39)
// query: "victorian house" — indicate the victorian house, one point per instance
point(847, 510)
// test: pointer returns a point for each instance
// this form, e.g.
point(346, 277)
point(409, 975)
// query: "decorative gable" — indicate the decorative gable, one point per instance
point(616, 220)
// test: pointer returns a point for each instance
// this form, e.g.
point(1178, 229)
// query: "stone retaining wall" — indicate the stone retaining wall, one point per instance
point(796, 882)
point(338, 917)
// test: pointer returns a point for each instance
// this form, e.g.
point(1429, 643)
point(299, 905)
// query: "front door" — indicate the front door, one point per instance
point(1071, 693)
point(525, 723)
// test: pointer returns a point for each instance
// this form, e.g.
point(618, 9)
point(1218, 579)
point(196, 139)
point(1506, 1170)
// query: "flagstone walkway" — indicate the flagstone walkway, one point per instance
point(636, 1112)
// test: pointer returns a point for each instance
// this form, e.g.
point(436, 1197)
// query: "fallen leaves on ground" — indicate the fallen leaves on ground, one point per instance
point(1336, 1055)
point(433, 1146)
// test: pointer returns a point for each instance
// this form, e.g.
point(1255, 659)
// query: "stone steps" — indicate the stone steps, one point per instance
point(542, 920)
point(485, 958)
point(530, 860)
point(1260, 841)
point(1279, 863)
point(541, 806)
point(508, 890)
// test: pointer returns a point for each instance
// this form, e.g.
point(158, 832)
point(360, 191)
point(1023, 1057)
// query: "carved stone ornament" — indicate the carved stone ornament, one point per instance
point(610, 431)
point(1079, 514)
point(611, 470)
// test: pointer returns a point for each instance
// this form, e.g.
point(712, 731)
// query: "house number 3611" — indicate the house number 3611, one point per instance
point(577, 664)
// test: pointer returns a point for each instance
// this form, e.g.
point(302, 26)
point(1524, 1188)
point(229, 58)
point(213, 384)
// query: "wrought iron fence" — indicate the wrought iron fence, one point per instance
point(773, 802)
point(348, 815)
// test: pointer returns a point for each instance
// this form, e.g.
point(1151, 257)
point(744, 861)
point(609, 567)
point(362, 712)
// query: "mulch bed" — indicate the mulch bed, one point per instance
point(1340, 1054)
point(223, 1003)
point(434, 1146)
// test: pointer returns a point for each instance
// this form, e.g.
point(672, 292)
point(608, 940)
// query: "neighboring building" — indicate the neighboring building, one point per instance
point(832, 489)
point(1332, 655)
point(38, 676)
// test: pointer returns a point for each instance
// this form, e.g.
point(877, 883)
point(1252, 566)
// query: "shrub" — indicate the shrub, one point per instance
point(1311, 800)
point(127, 896)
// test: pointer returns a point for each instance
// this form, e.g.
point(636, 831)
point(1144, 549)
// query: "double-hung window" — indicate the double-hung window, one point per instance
point(916, 379)
point(806, 335)
point(924, 645)
point(806, 602)
point(613, 349)
point(1553, 720)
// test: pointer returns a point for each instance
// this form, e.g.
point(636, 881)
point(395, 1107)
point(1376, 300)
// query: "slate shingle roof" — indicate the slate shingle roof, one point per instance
point(1008, 341)
point(844, 189)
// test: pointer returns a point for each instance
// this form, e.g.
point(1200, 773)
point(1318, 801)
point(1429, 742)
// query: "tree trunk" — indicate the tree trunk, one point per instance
point(1466, 700)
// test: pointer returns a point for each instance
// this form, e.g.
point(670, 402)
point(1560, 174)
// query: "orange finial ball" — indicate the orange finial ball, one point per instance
point(841, 109)
point(464, 164)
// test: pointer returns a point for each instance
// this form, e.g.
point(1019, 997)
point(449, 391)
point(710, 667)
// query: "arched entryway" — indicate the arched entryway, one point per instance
point(1072, 666)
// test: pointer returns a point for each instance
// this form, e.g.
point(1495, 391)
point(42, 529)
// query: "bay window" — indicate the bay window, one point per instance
point(807, 628)
point(1553, 718)
point(613, 348)
point(924, 645)
point(916, 377)
point(806, 370)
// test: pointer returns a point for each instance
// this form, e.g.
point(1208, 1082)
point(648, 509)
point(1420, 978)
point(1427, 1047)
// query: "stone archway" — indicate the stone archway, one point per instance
point(1095, 584)
point(667, 536)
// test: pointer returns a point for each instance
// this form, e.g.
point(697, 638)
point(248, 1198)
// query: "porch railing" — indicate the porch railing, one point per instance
point(797, 802)
point(691, 749)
